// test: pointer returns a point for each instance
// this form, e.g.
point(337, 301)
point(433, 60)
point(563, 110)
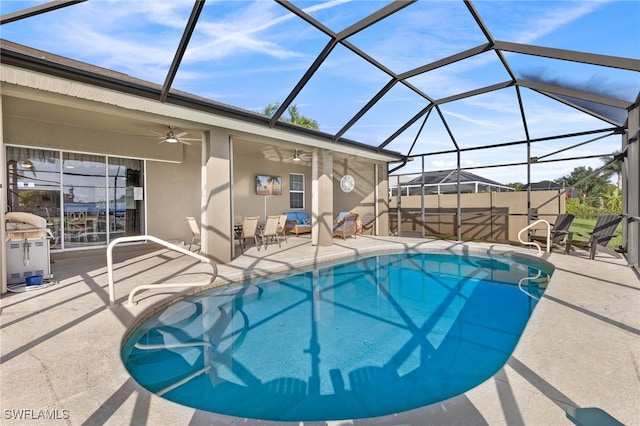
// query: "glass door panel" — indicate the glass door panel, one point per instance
point(84, 200)
point(126, 197)
point(33, 185)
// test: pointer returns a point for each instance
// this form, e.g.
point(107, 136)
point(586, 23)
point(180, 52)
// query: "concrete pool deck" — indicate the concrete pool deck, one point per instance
point(61, 364)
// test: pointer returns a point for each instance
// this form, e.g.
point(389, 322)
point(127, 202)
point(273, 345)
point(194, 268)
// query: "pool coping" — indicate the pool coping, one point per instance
point(588, 317)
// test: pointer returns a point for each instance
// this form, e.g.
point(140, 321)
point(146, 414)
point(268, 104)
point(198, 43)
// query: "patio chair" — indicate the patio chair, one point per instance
point(282, 226)
point(348, 226)
point(339, 218)
point(249, 232)
point(559, 231)
point(603, 231)
point(270, 230)
point(195, 232)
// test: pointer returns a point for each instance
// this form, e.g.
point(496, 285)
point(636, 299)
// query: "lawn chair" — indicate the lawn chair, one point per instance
point(249, 232)
point(348, 226)
point(195, 232)
point(559, 231)
point(282, 226)
point(270, 231)
point(603, 231)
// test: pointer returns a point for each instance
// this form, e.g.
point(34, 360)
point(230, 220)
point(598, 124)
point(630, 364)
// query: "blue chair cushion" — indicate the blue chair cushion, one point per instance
point(341, 216)
point(303, 218)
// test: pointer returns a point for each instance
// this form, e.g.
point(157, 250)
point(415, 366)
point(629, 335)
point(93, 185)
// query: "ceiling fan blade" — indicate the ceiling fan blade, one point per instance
point(157, 133)
point(184, 142)
point(181, 134)
point(190, 139)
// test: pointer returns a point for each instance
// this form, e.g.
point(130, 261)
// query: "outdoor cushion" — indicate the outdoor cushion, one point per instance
point(298, 223)
point(303, 218)
point(342, 215)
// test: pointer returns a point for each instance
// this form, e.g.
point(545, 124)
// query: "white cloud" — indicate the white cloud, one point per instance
point(555, 17)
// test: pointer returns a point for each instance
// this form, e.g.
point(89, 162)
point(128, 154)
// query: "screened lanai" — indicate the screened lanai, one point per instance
point(514, 91)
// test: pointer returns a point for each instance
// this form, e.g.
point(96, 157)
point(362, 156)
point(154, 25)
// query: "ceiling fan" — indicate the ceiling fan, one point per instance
point(172, 137)
point(300, 156)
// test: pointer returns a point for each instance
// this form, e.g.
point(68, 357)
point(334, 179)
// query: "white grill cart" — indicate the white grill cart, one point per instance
point(27, 248)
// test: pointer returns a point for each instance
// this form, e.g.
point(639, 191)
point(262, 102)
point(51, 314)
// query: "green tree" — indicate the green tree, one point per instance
point(612, 199)
point(518, 186)
point(589, 188)
point(615, 167)
point(294, 116)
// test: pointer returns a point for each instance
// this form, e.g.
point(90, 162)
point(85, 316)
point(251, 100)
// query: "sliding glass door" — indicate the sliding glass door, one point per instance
point(88, 200)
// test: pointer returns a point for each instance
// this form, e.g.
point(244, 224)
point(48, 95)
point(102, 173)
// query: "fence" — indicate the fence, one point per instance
point(494, 216)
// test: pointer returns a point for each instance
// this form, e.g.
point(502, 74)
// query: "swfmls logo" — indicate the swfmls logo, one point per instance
point(35, 414)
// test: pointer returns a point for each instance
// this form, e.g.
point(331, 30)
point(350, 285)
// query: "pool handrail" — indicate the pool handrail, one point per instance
point(533, 243)
point(171, 246)
point(538, 275)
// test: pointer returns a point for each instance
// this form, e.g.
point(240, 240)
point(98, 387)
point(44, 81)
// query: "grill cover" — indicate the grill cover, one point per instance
point(21, 225)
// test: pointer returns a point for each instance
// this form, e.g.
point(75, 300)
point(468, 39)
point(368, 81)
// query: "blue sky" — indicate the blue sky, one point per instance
point(252, 53)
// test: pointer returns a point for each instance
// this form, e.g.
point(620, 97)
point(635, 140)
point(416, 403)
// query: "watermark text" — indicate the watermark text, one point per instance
point(35, 414)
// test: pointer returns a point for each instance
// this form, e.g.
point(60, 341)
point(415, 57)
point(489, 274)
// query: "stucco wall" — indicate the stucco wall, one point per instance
point(361, 200)
point(173, 192)
point(245, 168)
point(363, 197)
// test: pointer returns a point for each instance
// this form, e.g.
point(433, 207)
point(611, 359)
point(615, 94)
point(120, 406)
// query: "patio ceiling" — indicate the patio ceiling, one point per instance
point(353, 72)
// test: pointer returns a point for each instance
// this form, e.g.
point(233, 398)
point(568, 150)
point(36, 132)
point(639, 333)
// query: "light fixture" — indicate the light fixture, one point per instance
point(27, 164)
point(171, 138)
point(296, 157)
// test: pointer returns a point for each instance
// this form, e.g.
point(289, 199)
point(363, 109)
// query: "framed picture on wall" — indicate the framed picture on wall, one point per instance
point(268, 185)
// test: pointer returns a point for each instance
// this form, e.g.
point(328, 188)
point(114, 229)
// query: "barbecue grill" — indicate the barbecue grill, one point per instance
point(27, 248)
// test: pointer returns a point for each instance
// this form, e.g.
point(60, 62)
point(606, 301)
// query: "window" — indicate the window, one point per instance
point(296, 191)
point(87, 199)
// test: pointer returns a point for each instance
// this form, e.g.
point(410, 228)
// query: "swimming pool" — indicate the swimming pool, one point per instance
point(371, 337)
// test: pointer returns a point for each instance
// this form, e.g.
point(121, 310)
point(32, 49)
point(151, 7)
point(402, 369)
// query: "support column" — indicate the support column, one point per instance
point(382, 201)
point(322, 198)
point(217, 226)
point(3, 207)
point(631, 189)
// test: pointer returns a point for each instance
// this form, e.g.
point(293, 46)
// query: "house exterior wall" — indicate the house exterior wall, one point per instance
point(370, 181)
point(205, 179)
point(173, 193)
point(172, 189)
point(247, 203)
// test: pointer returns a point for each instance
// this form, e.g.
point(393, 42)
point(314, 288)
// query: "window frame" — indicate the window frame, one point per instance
point(296, 191)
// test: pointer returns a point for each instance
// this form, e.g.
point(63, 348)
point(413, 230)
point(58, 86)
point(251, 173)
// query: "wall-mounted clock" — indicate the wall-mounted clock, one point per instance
point(347, 183)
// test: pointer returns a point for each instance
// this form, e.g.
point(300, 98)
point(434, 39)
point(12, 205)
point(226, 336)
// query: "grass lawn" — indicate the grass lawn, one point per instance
point(584, 225)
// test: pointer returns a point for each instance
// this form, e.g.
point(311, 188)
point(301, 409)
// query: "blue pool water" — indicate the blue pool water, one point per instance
point(371, 337)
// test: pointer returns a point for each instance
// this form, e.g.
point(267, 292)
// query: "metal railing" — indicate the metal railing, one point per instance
point(137, 238)
point(529, 279)
point(533, 243)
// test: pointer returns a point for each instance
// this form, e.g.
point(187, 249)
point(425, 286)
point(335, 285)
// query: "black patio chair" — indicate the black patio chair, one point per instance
point(559, 231)
point(603, 231)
